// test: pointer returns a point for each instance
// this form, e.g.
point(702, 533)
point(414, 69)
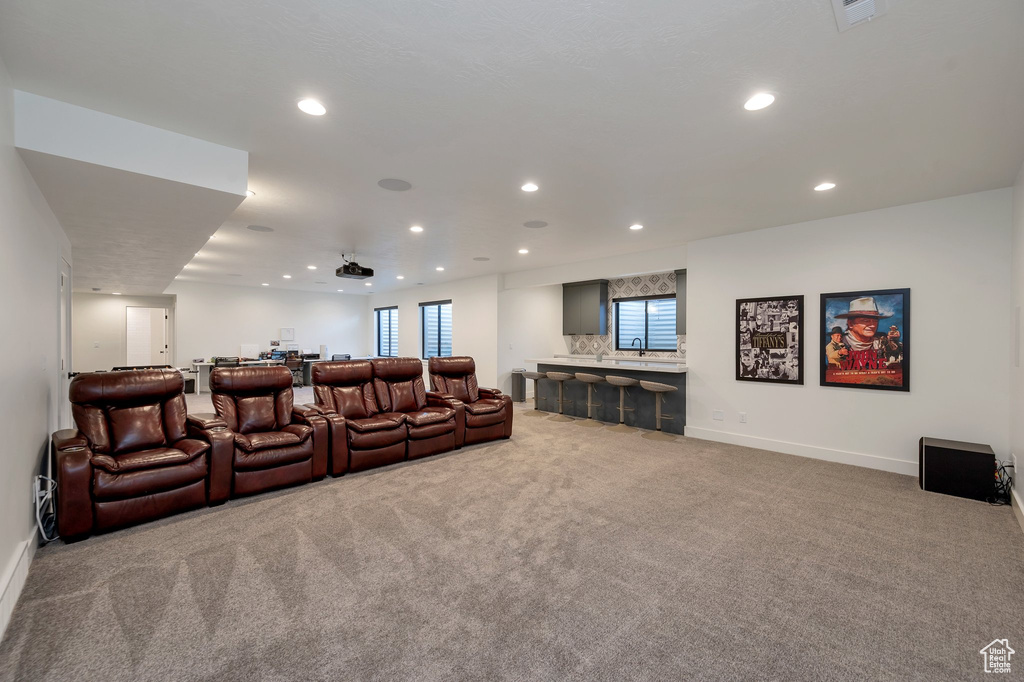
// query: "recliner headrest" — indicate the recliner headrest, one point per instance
point(250, 379)
point(342, 373)
point(133, 386)
point(397, 369)
point(458, 365)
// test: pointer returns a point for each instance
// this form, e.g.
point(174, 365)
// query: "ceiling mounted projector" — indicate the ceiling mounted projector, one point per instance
point(353, 270)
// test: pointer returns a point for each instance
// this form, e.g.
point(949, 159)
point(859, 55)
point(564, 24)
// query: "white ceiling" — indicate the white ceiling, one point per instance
point(620, 111)
point(129, 232)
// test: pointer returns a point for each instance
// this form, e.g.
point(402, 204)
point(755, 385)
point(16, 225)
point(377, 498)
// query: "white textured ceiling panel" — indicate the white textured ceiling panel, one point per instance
point(622, 112)
point(130, 233)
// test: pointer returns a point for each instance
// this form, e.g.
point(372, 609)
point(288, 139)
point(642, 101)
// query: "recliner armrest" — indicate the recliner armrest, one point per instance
point(303, 413)
point(69, 439)
point(440, 398)
point(205, 421)
point(489, 392)
point(73, 460)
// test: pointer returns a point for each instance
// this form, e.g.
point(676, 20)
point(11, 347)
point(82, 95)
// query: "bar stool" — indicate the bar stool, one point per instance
point(589, 380)
point(536, 376)
point(561, 378)
point(622, 383)
point(658, 390)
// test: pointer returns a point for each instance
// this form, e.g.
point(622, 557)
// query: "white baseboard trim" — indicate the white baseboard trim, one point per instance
point(896, 466)
point(13, 580)
point(1018, 507)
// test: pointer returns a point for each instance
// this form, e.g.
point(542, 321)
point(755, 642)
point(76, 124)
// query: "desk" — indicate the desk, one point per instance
point(197, 367)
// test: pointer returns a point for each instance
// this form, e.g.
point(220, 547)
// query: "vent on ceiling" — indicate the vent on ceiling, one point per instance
point(850, 13)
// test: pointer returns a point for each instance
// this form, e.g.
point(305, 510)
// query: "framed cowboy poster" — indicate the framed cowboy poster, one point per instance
point(770, 339)
point(866, 339)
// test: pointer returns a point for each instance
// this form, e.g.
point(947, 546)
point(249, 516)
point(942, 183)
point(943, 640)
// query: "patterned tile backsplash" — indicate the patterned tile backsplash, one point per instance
point(640, 285)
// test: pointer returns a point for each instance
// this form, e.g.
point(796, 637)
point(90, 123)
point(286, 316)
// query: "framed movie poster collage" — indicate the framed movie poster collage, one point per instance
point(770, 345)
point(865, 340)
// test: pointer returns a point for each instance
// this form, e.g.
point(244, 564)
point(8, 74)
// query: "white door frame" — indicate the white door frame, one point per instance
point(64, 377)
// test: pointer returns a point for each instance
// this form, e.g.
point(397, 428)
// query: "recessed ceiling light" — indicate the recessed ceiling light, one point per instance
point(636, 226)
point(311, 267)
point(400, 277)
point(341, 291)
point(415, 228)
point(825, 186)
point(369, 284)
point(535, 224)
point(482, 258)
point(213, 236)
point(524, 251)
point(287, 276)
point(259, 228)
point(394, 184)
point(439, 268)
point(265, 284)
point(197, 253)
point(530, 187)
point(250, 193)
point(759, 101)
point(116, 293)
point(312, 107)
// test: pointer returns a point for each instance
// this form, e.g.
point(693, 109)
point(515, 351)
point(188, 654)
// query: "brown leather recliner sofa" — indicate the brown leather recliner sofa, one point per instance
point(276, 444)
point(135, 456)
point(488, 412)
point(380, 413)
point(432, 421)
point(362, 435)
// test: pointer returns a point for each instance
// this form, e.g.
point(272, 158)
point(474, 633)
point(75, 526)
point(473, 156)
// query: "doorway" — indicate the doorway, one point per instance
point(146, 337)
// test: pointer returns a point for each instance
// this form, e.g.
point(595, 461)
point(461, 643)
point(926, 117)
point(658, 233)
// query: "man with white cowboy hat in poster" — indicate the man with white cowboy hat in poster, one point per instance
point(862, 324)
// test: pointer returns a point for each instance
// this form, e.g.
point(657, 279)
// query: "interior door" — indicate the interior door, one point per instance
point(146, 336)
point(64, 381)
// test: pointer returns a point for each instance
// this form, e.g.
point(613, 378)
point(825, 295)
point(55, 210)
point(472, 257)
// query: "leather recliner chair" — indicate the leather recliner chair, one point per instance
point(434, 424)
point(135, 456)
point(276, 444)
point(362, 435)
point(488, 412)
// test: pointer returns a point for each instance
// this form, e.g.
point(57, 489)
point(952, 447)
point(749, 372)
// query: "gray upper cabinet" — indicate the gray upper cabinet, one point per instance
point(585, 308)
point(570, 310)
point(681, 302)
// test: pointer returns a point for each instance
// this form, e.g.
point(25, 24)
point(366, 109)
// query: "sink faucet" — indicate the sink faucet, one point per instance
point(635, 339)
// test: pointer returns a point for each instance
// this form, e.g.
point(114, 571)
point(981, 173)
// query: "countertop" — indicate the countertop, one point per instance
point(635, 364)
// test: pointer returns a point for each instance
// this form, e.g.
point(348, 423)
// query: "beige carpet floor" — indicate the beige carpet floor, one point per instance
point(564, 554)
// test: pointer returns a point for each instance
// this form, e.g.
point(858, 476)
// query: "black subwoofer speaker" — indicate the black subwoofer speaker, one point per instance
point(955, 468)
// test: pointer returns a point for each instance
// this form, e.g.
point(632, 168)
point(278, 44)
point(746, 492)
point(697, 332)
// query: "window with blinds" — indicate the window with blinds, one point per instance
point(652, 320)
point(387, 332)
point(436, 329)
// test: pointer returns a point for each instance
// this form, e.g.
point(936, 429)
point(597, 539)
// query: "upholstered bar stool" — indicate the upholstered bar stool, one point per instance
point(561, 378)
point(536, 377)
point(622, 383)
point(589, 380)
point(658, 390)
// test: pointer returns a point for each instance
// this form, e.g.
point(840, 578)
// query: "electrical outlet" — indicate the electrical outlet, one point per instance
point(743, 417)
point(718, 415)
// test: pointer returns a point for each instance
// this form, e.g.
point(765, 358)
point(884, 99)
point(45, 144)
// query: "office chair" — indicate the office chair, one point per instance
point(341, 356)
point(225, 362)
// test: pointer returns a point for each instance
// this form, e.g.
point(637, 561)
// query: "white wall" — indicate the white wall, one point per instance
point(215, 319)
point(954, 254)
point(1017, 317)
point(474, 320)
point(31, 246)
point(529, 326)
point(98, 331)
